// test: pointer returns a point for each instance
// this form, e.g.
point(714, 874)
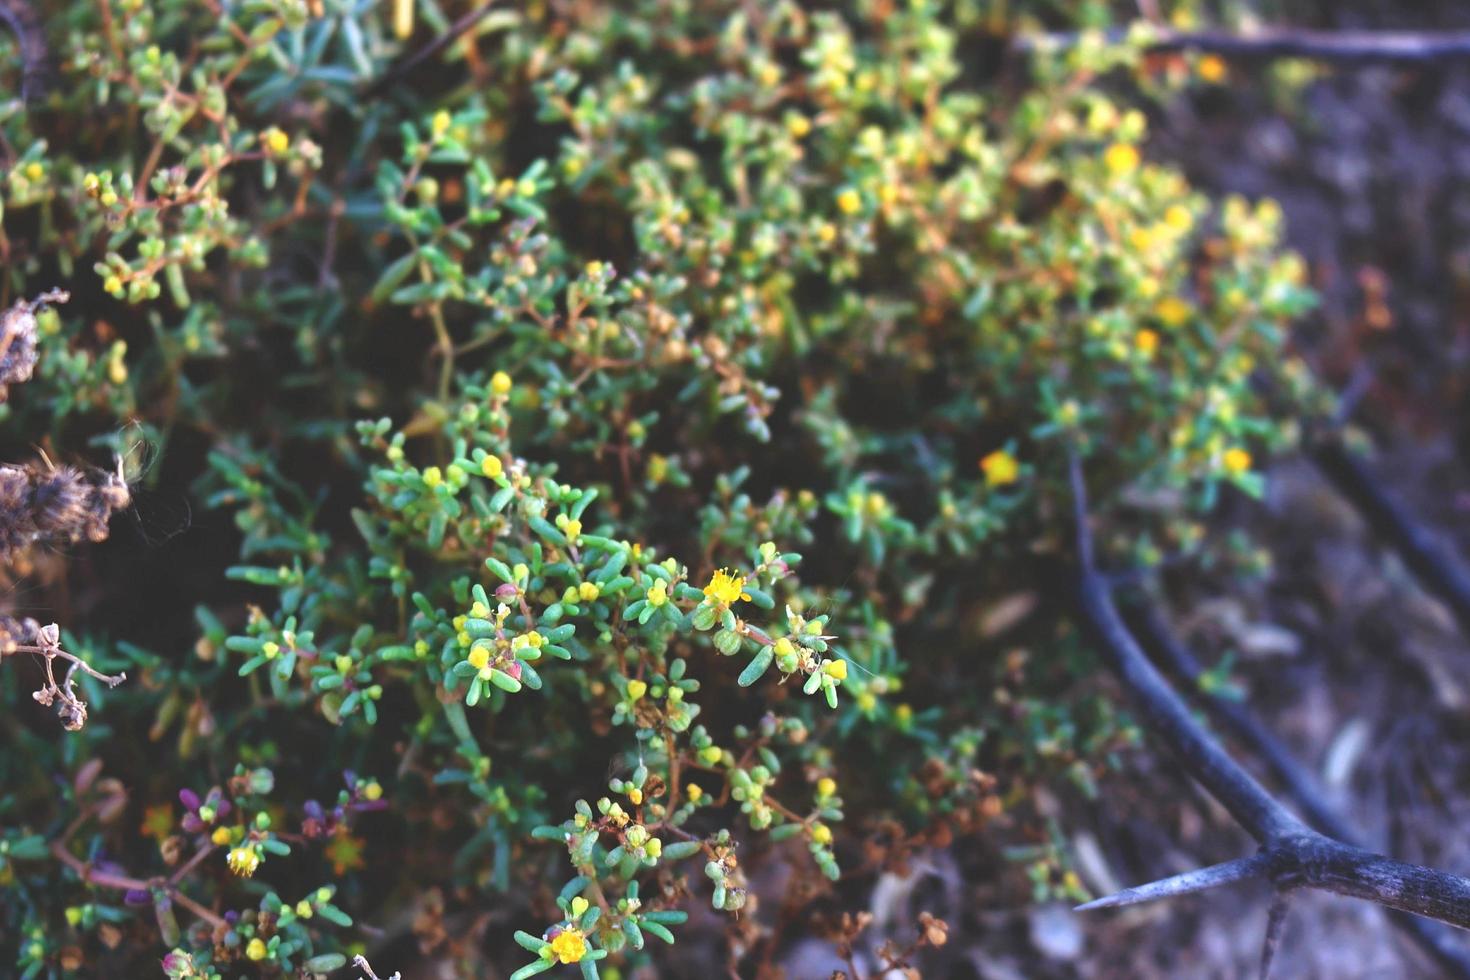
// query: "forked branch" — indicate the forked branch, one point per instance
point(1291, 854)
point(1166, 649)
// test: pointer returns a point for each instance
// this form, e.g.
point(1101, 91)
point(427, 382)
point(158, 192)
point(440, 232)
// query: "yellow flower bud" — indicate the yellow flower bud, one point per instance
point(1121, 159)
point(1237, 461)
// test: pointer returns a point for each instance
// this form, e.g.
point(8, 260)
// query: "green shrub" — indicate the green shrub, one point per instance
point(698, 380)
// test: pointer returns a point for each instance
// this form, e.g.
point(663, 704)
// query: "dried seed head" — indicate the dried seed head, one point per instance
point(73, 715)
point(18, 338)
point(42, 503)
point(59, 500)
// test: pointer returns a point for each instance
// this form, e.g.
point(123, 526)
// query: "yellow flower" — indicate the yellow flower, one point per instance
point(694, 791)
point(1147, 342)
point(725, 587)
point(373, 791)
point(433, 476)
point(822, 834)
point(255, 950)
point(1172, 311)
point(1211, 69)
point(275, 141)
point(1237, 461)
point(441, 123)
point(826, 786)
point(798, 125)
point(220, 837)
point(568, 946)
point(1000, 468)
point(835, 669)
point(243, 861)
point(849, 201)
point(658, 593)
point(491, 467)
point(500, 383)
point(827, 233)
point(1179, 218)
point(636, 689)
point(1121, 159)
point(479, 658)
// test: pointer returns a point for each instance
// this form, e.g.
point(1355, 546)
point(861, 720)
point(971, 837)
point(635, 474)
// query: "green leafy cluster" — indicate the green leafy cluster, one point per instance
point(674, 399)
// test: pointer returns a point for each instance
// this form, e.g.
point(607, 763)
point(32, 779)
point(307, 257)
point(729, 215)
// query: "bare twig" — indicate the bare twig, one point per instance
point(1165, 648)
point(118, 882)
point(1291, 854)
point(398, 72)
point(1421, 548)
point(1358, 47)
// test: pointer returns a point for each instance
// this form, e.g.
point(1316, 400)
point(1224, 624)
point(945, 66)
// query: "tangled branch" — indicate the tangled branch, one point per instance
point(27, 636)
point(1291, 854)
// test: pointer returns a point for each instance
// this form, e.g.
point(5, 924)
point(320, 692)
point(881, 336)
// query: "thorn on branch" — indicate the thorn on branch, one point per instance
point(1166, 649)
point(1187, 883)
point(1275, 925)
point(1291, 854)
